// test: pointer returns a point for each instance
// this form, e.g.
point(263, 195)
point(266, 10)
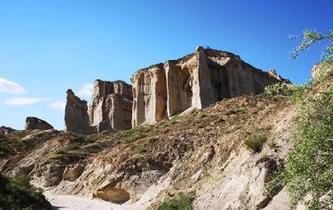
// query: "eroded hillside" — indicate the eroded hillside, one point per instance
point(202, 153)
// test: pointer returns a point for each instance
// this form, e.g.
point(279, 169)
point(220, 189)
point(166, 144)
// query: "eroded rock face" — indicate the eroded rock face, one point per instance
point(6, 130)
point(76, 115)
point(149, 95)
point(111, 106)
point(32, 123)
point(194, 81)
point(112, 194)
point(110, 109)
point(71, 174)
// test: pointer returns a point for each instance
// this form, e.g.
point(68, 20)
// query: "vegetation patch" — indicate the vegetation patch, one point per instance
point(309, 168)
point(19, 194)
point(255, 141)
point(293, 92)
point(180, 202)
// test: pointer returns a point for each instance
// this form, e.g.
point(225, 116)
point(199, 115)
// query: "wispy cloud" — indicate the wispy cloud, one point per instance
point(58, 105)
point(7, 86)
point(21, 101)
point(86, 90)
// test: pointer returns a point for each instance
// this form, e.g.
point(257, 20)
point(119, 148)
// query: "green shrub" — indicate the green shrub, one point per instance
point(255, 141)
point(141, 148)
point(276, 182)
point(293, 92)
point(181, 202)
point(309, 167)
point(284, 89)
point(19, 194)
point(325, 71)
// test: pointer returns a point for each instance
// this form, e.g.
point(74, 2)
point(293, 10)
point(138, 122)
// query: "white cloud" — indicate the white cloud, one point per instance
point(86, 90)
point(21, 101)
point(7, 86)
point(58, 105)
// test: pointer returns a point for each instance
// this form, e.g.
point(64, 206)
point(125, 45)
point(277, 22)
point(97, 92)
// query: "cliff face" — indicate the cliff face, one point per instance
point(194, 81)
point(110, 109)
point(76, 115)
point(111, 105)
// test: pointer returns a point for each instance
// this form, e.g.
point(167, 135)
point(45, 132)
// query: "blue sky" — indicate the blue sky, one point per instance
point(47, 46)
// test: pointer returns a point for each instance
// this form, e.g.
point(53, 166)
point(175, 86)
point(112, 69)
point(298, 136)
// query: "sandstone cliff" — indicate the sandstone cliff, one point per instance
point(111, 105)
point(194, 81)
point(76, 115)
point(110, 109)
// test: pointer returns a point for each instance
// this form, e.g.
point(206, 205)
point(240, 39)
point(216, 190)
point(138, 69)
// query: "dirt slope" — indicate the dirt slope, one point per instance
point(201, 152)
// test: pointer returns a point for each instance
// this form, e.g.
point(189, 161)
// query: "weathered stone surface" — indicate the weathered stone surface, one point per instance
point(71, 174)
point(76, 115)
point(6, 130)
point(111, 105)
point(149, 95)
point(32, 123)
point(194, 81)
point(112, 194)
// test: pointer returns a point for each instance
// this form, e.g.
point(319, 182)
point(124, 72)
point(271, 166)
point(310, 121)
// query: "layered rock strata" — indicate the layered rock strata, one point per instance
point(110, 109)
point(194, 81)
point(111, 105)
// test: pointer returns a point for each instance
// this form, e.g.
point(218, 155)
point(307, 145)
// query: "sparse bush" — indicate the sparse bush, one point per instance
point(235, 111)
point(325, 71)
point(276, 182)
point(181, 202)
point(140, 148)
point(309, 167)
point(293, 92)
point(255, 141)
point(19, 194)
point(283, 89)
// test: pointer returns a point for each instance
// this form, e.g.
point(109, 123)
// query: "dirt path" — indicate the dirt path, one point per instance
point(72, 202)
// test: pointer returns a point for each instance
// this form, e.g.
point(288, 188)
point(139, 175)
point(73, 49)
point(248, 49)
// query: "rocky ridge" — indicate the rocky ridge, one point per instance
point(36, 123)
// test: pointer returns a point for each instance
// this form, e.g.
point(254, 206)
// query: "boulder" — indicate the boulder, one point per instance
point(112, 194)
point(194, 82)
point(32, 123)
point(76, 115)
point(111, 105)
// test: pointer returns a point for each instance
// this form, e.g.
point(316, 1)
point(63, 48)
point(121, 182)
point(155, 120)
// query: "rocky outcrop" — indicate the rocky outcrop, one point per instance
point(6, 130)
point(112, 194)
point(32, 123)
point(111, 105)
point(110, 109)
point(194, 81)
point(76, 115)
point(71, 174)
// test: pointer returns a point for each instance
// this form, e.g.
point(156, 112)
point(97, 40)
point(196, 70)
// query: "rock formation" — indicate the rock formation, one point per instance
point(32, 123)
point(111, 105)
point(76, 115)
point(112, 194)
point(110, 109)
point(6, 130)
point(194, 81)
point(71, 174)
